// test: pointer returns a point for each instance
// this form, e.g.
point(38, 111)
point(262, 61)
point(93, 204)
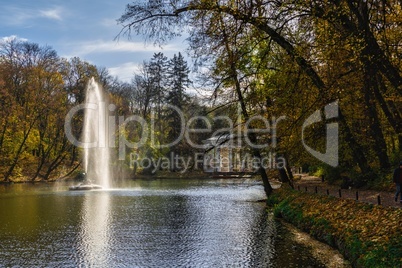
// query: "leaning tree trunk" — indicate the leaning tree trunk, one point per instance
point(251, 135)
point(285, 173)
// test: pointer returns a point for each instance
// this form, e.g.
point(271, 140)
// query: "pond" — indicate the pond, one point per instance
point(144, 223)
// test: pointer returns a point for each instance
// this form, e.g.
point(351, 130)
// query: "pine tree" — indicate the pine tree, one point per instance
point(157, 70)
point(178, 82)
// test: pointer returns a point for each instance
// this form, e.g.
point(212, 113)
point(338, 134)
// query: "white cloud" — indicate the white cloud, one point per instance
point(99, 46)
point(125, 72)
point(52, 13)
point(13, 15)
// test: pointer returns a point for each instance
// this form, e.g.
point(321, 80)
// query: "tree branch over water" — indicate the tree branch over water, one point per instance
point(160, 23)
point(335, 45)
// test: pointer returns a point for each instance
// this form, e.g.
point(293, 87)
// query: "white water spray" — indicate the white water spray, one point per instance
point(95, 132)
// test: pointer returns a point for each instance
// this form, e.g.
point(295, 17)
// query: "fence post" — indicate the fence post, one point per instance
point(340, 192)
point(306, 188)
point(327, 192)
point(357, 195)
point(379, 199)
point(316, 189)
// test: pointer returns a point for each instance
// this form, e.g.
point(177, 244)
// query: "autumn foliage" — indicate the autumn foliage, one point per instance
point(367, 235)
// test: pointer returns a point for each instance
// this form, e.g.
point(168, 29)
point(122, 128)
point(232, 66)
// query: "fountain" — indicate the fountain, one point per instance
point(96, 155)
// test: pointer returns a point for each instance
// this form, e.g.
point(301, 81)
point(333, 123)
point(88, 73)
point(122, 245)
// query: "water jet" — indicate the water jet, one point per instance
point(96, 151)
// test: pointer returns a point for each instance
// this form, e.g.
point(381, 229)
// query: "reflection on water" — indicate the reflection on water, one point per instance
point(94, 235)
point(160, 223)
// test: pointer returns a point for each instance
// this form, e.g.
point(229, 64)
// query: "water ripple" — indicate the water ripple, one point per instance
point(202, 224)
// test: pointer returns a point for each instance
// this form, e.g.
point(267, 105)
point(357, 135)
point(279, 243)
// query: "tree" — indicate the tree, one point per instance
point(178, 81)
point(33, 130)
point(360, 30)
point(37, 89)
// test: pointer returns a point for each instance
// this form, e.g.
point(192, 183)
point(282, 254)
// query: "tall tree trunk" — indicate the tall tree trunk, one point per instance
point(354, 27)
point(355, 147)
point(391, 112)
point(304, 65)
point(251, 135)
point(379, 146)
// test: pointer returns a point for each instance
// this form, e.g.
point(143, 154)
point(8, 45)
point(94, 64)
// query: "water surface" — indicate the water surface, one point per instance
point(157, 223)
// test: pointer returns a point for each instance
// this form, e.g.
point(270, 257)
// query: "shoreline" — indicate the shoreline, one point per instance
point(366, 235)
point(325, 254)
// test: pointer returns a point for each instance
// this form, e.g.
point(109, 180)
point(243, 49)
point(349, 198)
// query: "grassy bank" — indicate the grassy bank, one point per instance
point(367, 235)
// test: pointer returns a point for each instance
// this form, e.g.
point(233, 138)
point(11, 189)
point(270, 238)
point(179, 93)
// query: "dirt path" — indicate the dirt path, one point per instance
point(313, 184)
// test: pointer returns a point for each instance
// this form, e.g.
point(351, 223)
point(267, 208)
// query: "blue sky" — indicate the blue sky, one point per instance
point(82, 28)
